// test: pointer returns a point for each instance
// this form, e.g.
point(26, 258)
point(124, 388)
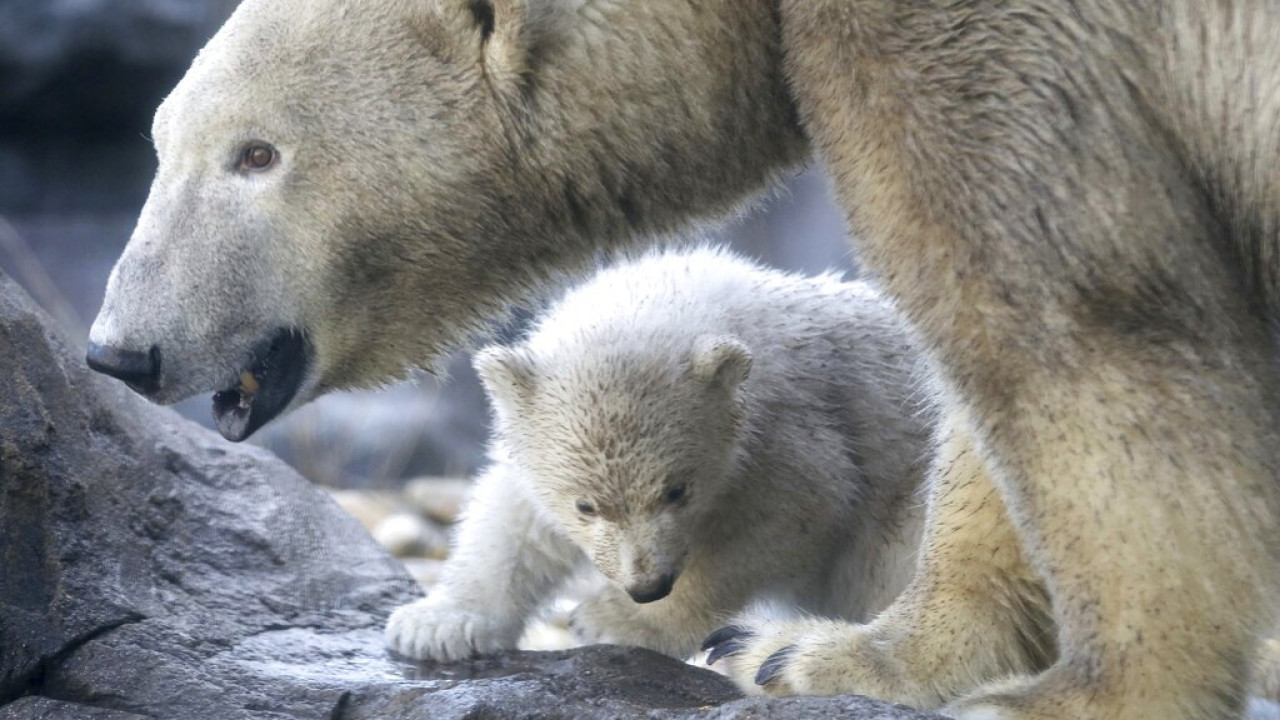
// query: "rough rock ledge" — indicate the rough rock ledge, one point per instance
point(150, 570)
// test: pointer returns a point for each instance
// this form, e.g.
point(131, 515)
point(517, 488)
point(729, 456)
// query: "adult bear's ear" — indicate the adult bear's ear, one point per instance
point(721, 360)
point(507, 374)
point(506, 33)
point(511, 31)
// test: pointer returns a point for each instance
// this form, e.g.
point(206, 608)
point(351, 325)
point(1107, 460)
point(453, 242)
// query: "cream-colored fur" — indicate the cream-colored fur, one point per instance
point(1074, 201)
point(1076, 205)
point(437, 161)
point(699, 373)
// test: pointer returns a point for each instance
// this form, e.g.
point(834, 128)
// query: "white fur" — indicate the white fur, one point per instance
point(784, 404)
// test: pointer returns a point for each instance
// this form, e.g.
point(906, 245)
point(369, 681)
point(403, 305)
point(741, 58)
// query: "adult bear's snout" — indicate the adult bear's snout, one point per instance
point(139, 369)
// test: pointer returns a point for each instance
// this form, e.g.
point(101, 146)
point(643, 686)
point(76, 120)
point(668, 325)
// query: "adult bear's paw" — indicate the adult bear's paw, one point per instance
point(440, 630)
point(810, 657)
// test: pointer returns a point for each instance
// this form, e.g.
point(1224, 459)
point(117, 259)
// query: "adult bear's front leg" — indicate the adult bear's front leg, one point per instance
point(974, 612)
point(1144, 484)
point(1098, 288)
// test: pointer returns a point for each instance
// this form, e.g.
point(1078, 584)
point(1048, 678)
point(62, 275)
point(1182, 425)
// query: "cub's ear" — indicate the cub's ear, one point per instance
point(721, 360)
point(503, 35)
point(507, 374)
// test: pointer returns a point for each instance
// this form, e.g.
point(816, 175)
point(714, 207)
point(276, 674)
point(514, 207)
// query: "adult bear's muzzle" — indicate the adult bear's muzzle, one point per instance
point(140, 370)
point(266, 385)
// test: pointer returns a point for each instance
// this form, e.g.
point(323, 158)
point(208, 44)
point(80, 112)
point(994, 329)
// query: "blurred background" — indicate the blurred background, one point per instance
point(79, 81)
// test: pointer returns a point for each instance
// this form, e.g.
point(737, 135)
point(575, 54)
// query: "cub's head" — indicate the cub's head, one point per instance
point(628, 449)
point(333, 204)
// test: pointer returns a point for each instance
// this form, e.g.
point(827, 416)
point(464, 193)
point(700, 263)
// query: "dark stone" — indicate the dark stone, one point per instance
point(150, 569)
point(96, 63)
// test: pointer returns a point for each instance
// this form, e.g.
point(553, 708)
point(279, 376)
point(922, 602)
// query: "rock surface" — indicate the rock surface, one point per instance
point(149, 569)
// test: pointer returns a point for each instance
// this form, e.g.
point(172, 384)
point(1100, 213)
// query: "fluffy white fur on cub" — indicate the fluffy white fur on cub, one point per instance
point(703, 433)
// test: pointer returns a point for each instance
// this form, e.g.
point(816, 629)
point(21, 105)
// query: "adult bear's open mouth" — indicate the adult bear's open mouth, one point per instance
point(266, 386)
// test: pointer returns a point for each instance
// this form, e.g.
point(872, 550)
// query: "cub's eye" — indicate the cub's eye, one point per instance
point(257, 157)
point(677, 493)
point(586, 508)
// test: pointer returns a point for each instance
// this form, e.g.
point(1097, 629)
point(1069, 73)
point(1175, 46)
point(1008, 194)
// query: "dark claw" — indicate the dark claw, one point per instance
point(773, 665)
point(725, 642)
point(724, 634)
point(725, 649)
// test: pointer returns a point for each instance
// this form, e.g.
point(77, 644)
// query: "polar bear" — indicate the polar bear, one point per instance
point(702, 432)
point(1072, 201)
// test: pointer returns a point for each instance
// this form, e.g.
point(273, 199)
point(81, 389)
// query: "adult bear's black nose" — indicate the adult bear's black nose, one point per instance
point(141, 370)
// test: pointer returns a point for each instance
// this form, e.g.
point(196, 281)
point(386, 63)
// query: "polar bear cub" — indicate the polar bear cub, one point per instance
point(698, 433)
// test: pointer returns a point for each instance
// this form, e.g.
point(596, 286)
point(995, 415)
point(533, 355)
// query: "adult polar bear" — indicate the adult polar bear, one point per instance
point(1072, 200)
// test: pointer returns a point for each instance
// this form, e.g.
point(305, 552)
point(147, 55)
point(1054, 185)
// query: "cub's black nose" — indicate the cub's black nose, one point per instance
point(655, 591)
point(141, 370)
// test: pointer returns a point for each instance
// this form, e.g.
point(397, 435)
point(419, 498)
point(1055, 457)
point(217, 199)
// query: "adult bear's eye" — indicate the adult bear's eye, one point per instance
point(677, 493)
point(257, 157)
point(586, 508)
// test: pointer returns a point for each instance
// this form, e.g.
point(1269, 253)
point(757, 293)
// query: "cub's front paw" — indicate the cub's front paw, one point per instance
point(612, 618)
point(600, 619)
point(445, 632)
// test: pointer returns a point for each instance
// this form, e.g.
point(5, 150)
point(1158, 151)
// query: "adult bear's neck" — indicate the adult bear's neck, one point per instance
point(645, 117)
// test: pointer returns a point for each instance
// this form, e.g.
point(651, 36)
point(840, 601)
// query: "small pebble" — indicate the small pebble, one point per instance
point(424, 570)
point(368, 507)
point(545, 636)
point(406, 534)
point(440, 499)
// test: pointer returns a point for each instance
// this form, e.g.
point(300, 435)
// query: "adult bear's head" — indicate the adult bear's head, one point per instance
point(347, 188)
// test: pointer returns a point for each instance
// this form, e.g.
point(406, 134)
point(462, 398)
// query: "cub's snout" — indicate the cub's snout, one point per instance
point(652, 591)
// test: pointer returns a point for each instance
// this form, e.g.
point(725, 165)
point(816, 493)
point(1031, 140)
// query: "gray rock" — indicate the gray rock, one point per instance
point(149, 569)
point(39, 708)
point(139, 552)
point(814, 708)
